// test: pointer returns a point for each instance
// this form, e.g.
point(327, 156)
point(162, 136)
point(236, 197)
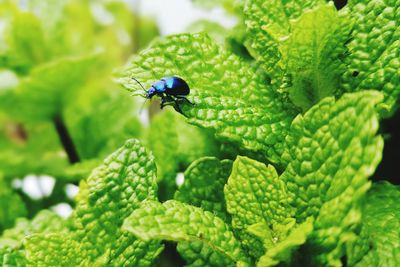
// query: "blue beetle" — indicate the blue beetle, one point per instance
point(171, 89)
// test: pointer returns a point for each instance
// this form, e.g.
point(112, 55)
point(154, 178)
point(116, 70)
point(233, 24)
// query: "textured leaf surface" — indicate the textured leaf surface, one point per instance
point(332, 150)
point(312, 54)
point(53, 250)
point(283, 249)
point(255, 194)
point(11, 258)
point(267, 22)
point(374, 50)
point(379, 242)
point(11, 205)
point(229, 96)
point(178, 146)
point(44, 222)
point(179, 222)
point(105, 199)
point(11, 242)
point(204, 185)
point(198, 254)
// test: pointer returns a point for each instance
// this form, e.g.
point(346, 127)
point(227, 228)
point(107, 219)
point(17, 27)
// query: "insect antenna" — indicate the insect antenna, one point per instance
point(142, 107)
point(139, 83)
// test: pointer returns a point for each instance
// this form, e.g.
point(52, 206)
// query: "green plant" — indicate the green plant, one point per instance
point(277, 150)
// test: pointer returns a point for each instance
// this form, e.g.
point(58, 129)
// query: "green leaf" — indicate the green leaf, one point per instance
point(50, 13)
point(197, 254)
point(44, 222)
point(78, 171)
point(100, 121)
point(378, 244)
point(11, 258)
point(331, 152)
point(267, 22)
point(283, 249)
point(229, 95)
point(50, 86)
point(176, 221)
point(25, 43)
point(312, 54)
point(255, 194)
point(176, 147)
point(53, 250)
point(105, 199)
point(374, 62)
point(11, 205)
point(11, 242)
point(204, 184)
point(32, 148)
point(203, 187)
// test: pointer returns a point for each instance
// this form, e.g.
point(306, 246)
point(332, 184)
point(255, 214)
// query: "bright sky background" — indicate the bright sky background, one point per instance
point(174, 16)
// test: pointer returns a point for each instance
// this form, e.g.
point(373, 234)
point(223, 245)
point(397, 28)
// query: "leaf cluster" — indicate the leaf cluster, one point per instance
point(277, 152)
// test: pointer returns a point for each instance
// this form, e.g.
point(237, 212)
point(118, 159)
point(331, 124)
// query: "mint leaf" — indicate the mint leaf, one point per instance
point(177, 146)
point(283, 249)
point(11, 205)
point(331, 152)
point(373, 61)
point(105, 199)
point(44, 222)
point(197, 254)
point(312, 54)
point(11, 242)
point(229, 96)
point(100, 121)
point(380, 236)
point(203, 187)
point(53, 250)
point(254, 194)
point(79, 170)
point(50, 86)
point(204, 184)
point(25, 42)
point(267, 22)
point(179, 222)
point(9, 257)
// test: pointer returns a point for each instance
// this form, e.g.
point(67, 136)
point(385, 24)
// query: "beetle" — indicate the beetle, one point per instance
point(171, 89)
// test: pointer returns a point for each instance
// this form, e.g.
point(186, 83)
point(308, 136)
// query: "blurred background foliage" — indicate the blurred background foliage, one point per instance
point(60, 112)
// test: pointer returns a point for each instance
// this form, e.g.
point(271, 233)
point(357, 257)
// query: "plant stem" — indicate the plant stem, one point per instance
point(66, 140)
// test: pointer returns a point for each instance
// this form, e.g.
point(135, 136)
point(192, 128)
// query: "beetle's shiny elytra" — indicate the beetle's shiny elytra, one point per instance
point(170, 89)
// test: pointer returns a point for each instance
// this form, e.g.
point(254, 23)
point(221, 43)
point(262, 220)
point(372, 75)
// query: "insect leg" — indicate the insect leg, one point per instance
point(174, 101)
point(166, 100)
point(184, 98)
point(163, 102)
